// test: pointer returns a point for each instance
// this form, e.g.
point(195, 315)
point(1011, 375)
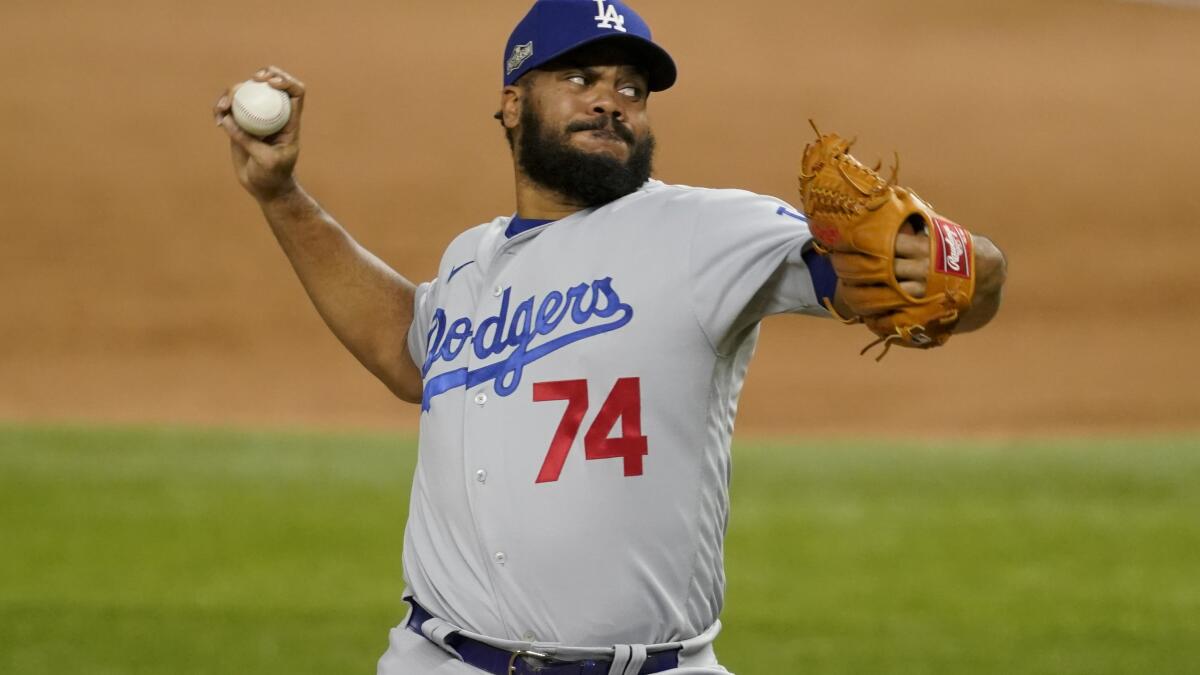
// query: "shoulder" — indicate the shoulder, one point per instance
point(477, 241)
point(471, 237)
point(724, 215)
point(726, 201)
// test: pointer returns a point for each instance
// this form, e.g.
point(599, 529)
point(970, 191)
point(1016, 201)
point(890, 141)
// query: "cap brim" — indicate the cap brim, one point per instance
point(660, 67)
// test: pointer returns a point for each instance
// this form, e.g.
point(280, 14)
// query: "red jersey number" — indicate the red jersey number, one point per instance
point(624, 402)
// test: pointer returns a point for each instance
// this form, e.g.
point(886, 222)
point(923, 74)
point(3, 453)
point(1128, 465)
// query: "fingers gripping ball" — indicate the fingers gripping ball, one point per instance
point(855, 215)
point(260, 109)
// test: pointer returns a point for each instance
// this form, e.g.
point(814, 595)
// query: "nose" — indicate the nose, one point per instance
point(601, 109)
point(606, 101)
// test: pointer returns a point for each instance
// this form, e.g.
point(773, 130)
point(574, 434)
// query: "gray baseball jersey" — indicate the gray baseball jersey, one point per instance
point(580, 385)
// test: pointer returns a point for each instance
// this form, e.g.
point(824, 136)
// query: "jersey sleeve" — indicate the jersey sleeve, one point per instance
point(747, 261)
point(418, 331)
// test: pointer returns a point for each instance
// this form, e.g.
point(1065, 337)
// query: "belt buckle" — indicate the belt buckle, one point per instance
point(522, 653)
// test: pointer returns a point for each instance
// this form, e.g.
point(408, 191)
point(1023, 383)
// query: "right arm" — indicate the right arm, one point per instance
point(367, 305)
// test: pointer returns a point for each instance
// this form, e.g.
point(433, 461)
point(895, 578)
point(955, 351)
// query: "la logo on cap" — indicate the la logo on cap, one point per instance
point(608, 17)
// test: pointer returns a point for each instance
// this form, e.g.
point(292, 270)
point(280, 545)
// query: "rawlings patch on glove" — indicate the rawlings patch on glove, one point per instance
point(855, 215)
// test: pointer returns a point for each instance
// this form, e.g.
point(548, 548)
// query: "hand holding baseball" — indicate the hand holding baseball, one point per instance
point(264, 166)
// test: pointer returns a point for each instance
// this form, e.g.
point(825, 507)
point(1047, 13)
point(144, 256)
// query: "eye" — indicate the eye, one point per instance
point(577, 79)
point(631, 91)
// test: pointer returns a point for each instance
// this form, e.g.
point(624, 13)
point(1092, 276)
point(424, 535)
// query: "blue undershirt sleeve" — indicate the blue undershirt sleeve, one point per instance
point(820, 268)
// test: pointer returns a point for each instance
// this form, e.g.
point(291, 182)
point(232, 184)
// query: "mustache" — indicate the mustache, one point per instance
point(605, 123)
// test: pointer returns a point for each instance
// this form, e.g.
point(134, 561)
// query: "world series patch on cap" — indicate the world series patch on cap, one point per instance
point(554, 27)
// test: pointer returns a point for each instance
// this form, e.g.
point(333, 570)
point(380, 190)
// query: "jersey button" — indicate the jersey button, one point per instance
point(500, 557)
point(529, 636)
point(481, 476)
point(480, 398)
point(497, 291)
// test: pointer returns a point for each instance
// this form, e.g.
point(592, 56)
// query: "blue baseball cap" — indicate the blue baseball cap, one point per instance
point(554, 27)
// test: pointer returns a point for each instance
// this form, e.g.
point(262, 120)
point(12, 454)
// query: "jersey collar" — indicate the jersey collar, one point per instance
point(518, 225)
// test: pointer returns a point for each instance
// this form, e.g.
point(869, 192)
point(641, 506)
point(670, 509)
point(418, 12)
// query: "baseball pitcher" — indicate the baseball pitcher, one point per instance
point(578, 362)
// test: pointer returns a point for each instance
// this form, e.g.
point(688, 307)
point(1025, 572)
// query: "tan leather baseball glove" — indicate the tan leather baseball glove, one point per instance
point(855, 215)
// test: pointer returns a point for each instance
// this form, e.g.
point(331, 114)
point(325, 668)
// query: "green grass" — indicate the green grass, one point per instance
point(187, 552)
point(198, 552)
point(994, 558)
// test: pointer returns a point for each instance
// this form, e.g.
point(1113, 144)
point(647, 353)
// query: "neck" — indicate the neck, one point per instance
point(535, 202)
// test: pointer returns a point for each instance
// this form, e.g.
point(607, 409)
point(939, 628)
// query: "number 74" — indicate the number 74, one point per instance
point(624, 401)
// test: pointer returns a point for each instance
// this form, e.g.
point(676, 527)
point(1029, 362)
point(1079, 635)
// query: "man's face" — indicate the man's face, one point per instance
point(583, 129)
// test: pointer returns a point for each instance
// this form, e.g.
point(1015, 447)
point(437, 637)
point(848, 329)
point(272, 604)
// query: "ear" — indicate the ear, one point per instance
point(512, 99)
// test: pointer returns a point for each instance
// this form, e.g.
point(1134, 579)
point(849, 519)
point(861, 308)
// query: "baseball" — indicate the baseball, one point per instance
point(260, 109)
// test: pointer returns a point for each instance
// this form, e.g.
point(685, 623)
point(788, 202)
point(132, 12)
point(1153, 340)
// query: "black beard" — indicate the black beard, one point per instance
point(585, 179)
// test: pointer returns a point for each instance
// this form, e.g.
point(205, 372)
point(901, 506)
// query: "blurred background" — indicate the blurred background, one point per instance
point(145, 300)
point(143, 285)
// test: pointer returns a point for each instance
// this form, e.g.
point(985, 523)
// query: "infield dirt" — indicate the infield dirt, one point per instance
point(141, 285)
